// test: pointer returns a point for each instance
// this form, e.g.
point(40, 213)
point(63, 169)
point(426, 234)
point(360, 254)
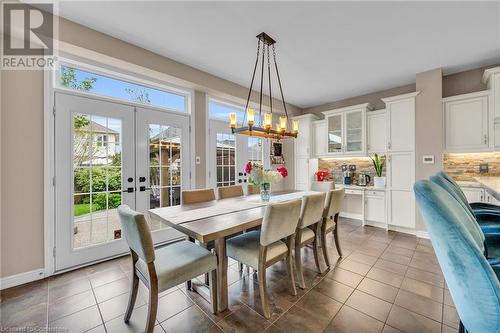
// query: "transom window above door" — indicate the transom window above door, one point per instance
point(74, 78)
point(221, 110)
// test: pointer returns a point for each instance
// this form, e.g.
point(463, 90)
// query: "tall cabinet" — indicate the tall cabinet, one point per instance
point(400, 160)
point(305, 166)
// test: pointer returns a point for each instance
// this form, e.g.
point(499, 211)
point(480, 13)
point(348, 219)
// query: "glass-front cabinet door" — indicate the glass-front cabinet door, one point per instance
point(335, 137)
point(354, 131)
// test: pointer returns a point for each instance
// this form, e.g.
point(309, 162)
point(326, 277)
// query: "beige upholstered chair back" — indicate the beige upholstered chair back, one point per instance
point(195, 196)
point(311, 210)
point(333, 202)
point(137, 233)
point(230, 191)
point(252, 189)
point(280, 221)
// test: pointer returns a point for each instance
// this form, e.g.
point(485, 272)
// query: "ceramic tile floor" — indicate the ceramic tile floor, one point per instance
point(385, 282)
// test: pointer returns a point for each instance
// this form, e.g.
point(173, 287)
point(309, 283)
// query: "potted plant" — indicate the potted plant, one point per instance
point(263, 178)
point(378, 163)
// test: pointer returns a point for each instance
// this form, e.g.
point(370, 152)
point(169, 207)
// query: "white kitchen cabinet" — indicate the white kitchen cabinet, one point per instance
point(401, 209)
point(497, 135)
point(466, 122)
point(304, 167)
point(490, 199)
point(319, 134)
point(375, 206)
point(302, 173)
point(400, 122)
point(376, 131)
point(473, 194)
point(346, 130)
point(491, 77)
point(304, 140)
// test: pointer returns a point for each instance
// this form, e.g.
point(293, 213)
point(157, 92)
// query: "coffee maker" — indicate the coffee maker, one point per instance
point(347, 173)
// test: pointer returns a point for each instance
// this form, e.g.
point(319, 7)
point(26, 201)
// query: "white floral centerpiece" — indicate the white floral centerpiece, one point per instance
point(263, 178)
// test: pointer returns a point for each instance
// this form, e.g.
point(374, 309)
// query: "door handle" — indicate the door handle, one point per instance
point(144, 188)
point(129, 190)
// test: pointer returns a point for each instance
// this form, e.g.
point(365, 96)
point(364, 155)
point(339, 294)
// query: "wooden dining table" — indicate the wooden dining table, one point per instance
point(215, 221)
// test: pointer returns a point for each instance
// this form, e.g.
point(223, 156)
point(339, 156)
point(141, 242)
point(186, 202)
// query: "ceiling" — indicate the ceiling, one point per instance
point(326, 50)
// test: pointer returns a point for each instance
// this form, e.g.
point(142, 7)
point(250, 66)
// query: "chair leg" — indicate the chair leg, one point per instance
point(291, 273)
point(315, 251)
point(298, 266)
point(153, 307)
point(132, 297)
point(263, 291)
point(213, 290)
point(336, 235)
point(323, 244)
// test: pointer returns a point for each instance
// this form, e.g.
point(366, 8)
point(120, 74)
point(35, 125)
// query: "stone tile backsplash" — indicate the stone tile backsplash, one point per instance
point(463, 167)
point(364, 165)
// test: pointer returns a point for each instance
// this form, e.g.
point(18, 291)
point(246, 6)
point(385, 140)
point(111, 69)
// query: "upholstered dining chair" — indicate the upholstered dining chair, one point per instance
point(261, 249)
point(473, 284)
point(331, 211)
point(252, 189)
point(163, 268)
point(308, 230)
point(196, 196)
point(225, 192)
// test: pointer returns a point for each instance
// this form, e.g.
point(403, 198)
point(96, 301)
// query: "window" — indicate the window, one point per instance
point(102, 140)
point(226, 159)
point(82, 80)
point(254, 149)
point(221, 111)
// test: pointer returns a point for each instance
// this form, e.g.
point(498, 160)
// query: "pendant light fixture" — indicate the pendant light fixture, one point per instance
point(264, 128)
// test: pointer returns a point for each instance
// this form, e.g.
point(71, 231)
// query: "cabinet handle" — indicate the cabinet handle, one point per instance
point(485, 139)
point(389, 145)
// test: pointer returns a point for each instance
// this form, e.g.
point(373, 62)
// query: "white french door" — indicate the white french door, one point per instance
point(108, 154)
point(229, 153)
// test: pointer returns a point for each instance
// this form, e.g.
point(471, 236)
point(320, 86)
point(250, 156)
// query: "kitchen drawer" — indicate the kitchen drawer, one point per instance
point(355, 192)
point(375, 193)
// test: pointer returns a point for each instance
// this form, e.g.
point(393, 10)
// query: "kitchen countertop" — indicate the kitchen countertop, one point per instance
point(490, 184)
point(469, 183)
point(359, 188)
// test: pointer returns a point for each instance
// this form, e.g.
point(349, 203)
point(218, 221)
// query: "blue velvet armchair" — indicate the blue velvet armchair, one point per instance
point(473, 284)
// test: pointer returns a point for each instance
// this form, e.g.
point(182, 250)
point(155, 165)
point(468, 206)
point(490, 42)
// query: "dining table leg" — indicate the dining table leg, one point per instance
point(220, 250)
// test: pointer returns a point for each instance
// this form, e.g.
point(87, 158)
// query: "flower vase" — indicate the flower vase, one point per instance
point(265, 192)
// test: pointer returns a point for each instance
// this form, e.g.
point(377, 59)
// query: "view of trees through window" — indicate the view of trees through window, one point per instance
point(77, 79)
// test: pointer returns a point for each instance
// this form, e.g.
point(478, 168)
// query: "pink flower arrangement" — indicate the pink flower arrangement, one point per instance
point(248, 167)
point(259, 176)
point(283, 171)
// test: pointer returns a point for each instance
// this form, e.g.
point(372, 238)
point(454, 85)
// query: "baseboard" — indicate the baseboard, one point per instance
point(351, 216)
point(422, 234)
point(22, 278)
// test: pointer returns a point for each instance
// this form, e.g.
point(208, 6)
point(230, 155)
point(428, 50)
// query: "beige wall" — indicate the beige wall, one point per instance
point(373, 98)
point(428, 127)
point(465, 82)
point(21, 171)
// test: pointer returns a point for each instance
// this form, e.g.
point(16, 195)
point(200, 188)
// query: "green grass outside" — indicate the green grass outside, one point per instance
point(81, 209)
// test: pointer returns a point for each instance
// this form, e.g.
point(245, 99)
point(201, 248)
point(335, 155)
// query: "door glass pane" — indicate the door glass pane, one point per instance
point(225, 162)
point(335, 133)
point(165, 167)
point(354, 124)
point(97, 176)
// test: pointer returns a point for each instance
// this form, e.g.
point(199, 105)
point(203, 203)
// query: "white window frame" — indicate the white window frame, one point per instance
point(120, 75)
point(141, 75)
